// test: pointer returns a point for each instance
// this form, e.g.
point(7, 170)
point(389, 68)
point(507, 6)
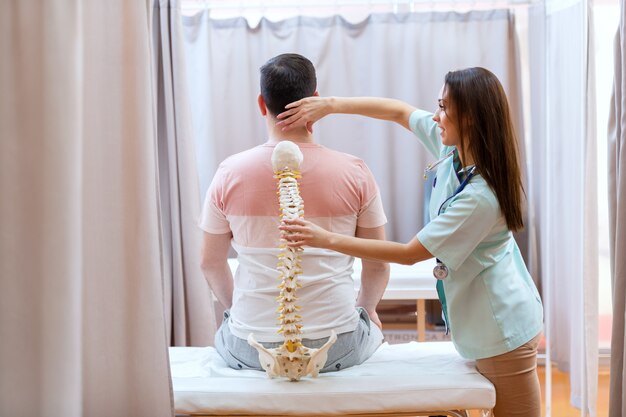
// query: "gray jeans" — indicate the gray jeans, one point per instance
point(351, 348)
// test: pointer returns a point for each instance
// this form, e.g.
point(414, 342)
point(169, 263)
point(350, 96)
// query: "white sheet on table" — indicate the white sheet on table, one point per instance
point(405, 377)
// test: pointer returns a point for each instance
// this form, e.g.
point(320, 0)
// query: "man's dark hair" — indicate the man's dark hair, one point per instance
point(286, 78)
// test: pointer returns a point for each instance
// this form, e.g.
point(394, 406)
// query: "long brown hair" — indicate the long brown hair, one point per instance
point(486, 131)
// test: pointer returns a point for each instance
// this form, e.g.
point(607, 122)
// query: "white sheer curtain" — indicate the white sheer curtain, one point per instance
point(564, 177)
point(403, 55)
point(81, 294)
point(617, 214)
point(189, 308)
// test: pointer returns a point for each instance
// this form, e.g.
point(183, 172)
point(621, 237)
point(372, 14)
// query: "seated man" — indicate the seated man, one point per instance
point(241, 208)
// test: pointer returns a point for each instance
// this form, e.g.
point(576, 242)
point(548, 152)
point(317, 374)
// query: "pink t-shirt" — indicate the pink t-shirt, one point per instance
point(339, 194)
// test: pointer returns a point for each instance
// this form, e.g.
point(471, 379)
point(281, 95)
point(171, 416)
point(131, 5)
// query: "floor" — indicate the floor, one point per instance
point(561, 406)
point(560, 394)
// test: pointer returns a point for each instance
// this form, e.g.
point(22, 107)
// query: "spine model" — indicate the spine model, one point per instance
point(292, 359)
point(291, 207)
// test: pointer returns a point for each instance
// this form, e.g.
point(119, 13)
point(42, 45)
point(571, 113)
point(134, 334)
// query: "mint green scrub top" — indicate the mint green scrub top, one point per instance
point(492, 304)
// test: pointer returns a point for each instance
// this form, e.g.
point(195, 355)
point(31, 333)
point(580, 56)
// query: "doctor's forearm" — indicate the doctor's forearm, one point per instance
point(375, 107)
point(382, 250)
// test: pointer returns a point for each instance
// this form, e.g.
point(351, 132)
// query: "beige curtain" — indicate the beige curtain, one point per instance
point(617, 225)
point(82, 328)
point(189, 308)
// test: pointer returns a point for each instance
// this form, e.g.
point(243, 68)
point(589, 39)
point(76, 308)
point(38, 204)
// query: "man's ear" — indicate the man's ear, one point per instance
point(262, 106)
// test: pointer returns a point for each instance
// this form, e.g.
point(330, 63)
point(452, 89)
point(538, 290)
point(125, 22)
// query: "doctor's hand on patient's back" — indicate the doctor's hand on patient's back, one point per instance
point(304, 112)
point(299, 232)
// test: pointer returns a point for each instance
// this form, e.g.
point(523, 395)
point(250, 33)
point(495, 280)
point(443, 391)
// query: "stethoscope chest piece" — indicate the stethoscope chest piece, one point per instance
point(440, 271)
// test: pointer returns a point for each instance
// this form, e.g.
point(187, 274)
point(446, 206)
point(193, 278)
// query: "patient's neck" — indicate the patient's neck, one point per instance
point(299, 135)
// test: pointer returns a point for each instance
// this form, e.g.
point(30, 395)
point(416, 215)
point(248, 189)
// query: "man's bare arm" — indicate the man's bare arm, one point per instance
point(215, 266)
point(374, 276)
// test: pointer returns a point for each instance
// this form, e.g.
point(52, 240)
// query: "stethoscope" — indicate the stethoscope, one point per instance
point(440, 271)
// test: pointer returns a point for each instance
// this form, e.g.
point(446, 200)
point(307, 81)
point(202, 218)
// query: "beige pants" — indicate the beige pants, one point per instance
point(514, 375)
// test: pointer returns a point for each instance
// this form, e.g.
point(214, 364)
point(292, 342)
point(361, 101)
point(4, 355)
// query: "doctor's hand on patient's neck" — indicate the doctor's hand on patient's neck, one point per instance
point(304, 112)
point(298, 135)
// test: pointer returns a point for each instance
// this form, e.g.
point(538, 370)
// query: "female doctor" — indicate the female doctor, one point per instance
point(490, 302)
